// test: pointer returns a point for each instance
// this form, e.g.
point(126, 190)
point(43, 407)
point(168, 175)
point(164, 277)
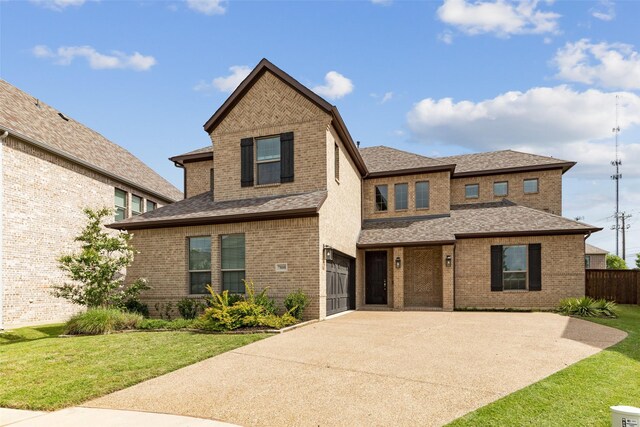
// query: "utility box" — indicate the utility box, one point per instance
point(625, 416)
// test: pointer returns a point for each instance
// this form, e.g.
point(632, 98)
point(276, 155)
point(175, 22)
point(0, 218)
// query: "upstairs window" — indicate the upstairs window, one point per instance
point(381, 198)
point(268, 160)
point(500, 189)
point(211, 179)
point(233, 263)
point(120, 204)
point(151, 206)
point(336, 161)
point(199, 264)
point(587, 261)
point(530, 186)
point(472, 191)
point(400, 194)
point(422, 195)
point(136, 205)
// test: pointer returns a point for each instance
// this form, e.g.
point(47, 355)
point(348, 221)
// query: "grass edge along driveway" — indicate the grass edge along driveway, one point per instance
point(580, 394)
point(40, 371)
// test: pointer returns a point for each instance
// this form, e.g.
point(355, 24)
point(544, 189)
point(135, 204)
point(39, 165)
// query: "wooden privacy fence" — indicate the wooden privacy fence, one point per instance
point(621, 286)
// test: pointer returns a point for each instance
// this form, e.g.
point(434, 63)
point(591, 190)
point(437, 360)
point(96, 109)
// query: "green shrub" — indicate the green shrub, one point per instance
point(587, 307)
point(99, 321)
point(295, 303)
point(189, 308)
point(164, 310)
point(135, 306)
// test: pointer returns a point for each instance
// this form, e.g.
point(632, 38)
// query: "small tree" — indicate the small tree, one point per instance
point(96, 269)
point(638, 260)
point(614, 262)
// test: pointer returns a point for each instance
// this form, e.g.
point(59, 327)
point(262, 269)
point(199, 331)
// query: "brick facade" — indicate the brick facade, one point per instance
point(43, 197)
point(548, 198)
point(562, 273)
point(597, 261)
point(197, 177)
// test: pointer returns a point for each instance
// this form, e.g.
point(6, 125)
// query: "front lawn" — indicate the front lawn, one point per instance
point(38, 370)
point(579, 395)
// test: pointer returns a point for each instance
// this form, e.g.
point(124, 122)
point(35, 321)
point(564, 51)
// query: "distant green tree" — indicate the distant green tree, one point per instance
point(96, 271)
point(638, 260)
point(614, 262)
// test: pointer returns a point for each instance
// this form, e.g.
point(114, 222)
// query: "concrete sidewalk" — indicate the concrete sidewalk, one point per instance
point(81, 417)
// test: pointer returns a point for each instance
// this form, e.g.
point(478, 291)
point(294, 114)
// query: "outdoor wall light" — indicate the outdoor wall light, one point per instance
point(447, 261)
point(328, 253)
point(398, 262)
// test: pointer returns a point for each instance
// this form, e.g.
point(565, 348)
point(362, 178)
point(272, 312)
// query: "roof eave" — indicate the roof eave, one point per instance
point(190, 158)
point(411, 171)
point(404, 244)
point(73, 159)
point(556, 232)
point(564, 166)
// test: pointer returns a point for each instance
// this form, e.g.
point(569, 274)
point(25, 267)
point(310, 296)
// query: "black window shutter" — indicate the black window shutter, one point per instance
point(496, 268)
point(246, 162)
point(535, 267)
point(286, 157)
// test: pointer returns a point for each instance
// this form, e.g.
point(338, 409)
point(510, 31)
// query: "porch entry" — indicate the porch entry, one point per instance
point(375, 277)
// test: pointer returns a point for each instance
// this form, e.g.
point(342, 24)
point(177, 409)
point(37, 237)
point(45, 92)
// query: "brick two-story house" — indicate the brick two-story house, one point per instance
point(284, 196)
point(51, 168)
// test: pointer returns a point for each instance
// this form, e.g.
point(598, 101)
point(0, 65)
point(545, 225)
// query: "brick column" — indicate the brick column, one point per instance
point(398, 279)
point(447, 278)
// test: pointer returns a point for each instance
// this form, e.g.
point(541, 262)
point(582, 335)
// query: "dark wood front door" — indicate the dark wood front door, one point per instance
point(376, 277)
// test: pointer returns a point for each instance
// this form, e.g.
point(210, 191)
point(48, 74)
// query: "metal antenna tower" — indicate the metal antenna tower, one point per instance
point(617, 177)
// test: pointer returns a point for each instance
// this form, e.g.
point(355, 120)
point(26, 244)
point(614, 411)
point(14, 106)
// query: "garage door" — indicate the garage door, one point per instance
point(340, 284)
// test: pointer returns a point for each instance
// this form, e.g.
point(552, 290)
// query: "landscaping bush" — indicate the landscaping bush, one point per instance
point(189, 308)
point(135, 306)
point(587, 307)
point(99, 321)
point(295, 303)
point(226, 313)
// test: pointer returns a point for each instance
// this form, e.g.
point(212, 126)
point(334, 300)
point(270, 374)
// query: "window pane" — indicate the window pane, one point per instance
point(232, 281)
point(120, 214)
point(514, 280)
point(530, 185)
point(587, 261)
point(471, 191)
point(120, 198)
point(514, 258)
point(198, 282)
point(401, 196)
point(232, 252)
point(268, 148)
point(200, 253)
point(136, 205)
point(422, 195)
point(268, 173)
point(500, 188)
point(381, 197)
point(151, 206)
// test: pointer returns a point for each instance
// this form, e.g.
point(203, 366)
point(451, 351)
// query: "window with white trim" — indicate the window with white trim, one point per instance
point(120, 204)
point(136, 205)
point(268, 160)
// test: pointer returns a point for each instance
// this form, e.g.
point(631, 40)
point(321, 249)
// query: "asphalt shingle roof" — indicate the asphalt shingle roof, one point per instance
point(499, 160)
point(594, 250)
point(382, 159)
point(203, 209)
point(500, 218)
point(23, 114)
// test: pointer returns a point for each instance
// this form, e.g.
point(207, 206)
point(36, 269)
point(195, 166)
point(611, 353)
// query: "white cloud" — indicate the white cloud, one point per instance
point(228, 83)
point(500, 17)
point(58, 5)
point(554, 121)
point(208, 7)
point(336, 86)
point(382, 2)
point(611, 65)
point(386, 97)
point(605, 11)
point(65, 55)
point(446, 37)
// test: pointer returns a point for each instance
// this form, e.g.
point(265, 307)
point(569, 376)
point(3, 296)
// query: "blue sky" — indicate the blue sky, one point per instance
point(436, 78)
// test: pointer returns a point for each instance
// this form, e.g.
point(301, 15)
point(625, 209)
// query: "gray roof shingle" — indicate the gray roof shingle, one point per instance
point(594, 250)
point(501, 218)
point(382, 159)
point(20, 115)
point(501, 160)
point(202, 209)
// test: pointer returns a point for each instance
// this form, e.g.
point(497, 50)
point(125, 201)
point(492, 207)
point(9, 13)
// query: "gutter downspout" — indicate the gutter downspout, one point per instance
point(2, 138)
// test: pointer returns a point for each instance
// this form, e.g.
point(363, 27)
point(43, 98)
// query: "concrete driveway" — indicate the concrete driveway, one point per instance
point(373, 368)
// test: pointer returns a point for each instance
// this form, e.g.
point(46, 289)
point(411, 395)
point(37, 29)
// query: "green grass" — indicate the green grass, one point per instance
point(579, 395)
point(38, 370)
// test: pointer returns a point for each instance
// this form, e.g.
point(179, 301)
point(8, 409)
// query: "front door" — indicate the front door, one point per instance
point(376, 277)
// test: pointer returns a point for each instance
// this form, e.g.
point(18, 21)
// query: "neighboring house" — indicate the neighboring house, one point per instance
point(594, 257)
point(51, 168)
point(284, 197)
